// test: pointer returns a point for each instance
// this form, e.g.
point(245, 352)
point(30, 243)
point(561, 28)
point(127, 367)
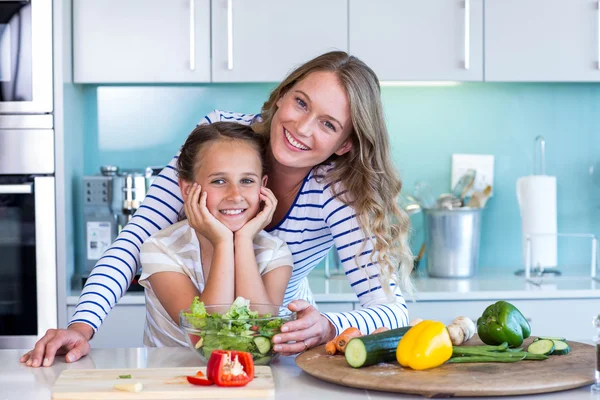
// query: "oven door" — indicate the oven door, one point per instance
point(25, 56)
point(28, 305)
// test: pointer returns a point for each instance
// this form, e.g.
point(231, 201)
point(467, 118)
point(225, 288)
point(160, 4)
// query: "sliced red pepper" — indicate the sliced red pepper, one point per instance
point(196, 380)
point(230, 368)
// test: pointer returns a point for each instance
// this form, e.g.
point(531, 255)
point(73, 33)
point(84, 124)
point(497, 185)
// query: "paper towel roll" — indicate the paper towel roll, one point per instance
point(536, 195)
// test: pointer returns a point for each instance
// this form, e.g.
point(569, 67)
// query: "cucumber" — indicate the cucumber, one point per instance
point(562, 339)
point(372, 349)
point(263, 344)
point(561, 348)
point(542, 346)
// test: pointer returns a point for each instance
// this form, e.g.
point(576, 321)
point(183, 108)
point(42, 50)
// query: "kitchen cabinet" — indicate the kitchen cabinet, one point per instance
point(426, 40)
point(122, 327)
point(141, 41)
point(542, 40)
point(547, 317)
point(263, 40)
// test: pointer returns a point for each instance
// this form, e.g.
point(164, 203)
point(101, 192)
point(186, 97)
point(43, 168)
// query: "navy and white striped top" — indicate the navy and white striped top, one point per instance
point(316, 221)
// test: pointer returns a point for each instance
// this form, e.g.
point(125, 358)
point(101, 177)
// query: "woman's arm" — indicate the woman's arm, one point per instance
point(114, 271)
point(363, 271)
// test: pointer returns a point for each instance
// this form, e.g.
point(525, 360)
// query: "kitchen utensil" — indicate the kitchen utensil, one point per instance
point(479, 199)
point(253, 335)
point(452, 238)
point(419, 257)
point(158, 384)
point(424, 195)
point(464, 184)
point(555, 374)
point(409, 204)
point(449, 201)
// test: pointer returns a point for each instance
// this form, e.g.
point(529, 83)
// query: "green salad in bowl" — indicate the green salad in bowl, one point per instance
point(239, 326)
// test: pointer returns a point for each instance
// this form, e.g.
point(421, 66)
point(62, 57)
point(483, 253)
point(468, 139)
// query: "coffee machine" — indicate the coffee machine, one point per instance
point(110, 201)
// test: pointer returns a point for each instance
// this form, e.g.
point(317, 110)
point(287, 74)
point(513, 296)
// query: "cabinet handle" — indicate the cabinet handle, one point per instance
point(598, 33)
point(25, 188)
point(467, 34)
point(230, 35)
point(192, 35)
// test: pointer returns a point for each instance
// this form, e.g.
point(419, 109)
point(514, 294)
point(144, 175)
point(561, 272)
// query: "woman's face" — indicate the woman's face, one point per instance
point(312, 122)
point(230, 172)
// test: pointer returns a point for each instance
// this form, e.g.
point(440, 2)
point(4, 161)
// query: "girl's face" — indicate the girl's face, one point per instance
point(312, 122)
point(230, 172)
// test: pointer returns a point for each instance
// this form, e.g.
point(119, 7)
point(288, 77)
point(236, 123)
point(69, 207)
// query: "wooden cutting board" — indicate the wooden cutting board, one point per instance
point(158, 383)
point(557, 373)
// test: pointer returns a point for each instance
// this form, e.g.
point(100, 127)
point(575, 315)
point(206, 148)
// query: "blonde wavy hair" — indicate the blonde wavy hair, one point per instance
point(366, 172)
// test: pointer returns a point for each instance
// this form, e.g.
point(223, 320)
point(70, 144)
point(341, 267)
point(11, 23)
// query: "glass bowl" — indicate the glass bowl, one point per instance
point(252, 335)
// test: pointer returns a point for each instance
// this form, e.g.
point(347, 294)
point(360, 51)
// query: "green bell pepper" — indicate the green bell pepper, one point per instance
point(502, 322)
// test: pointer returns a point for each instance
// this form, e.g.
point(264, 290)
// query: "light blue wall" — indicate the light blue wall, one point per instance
point(134, 127)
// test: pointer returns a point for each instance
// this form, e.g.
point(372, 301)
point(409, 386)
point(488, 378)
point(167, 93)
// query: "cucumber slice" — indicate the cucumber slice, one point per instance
point(263, 344)
point(562, 339)
point(561, 348)
point(542, 346)
point(368, 350)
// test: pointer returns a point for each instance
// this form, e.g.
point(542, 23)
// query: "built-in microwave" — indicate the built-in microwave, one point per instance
point(28, 286)
point(25, 56)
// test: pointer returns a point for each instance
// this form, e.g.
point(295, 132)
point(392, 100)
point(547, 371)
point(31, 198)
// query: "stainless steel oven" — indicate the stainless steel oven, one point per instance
point(25, 56)
point(28, 296)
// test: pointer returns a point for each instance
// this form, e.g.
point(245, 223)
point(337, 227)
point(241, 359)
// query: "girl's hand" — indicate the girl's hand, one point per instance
point(262, 219)
point(309, 330)
point(202, 220)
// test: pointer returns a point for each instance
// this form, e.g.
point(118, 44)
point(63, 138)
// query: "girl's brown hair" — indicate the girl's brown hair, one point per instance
point(366, 171)
point(188, 160)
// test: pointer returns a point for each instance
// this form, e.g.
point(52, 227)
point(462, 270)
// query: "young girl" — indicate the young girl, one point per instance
point(221, 176)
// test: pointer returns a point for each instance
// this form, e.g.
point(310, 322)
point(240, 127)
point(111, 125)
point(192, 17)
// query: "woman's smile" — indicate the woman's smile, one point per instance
point(294, 142)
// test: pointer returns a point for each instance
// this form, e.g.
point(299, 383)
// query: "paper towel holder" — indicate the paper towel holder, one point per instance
point(539, 147)
point(594, 260)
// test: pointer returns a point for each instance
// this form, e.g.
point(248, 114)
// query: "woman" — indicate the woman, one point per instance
point(331, 173)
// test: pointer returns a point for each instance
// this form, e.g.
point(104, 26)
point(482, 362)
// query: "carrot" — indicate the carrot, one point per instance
point(343, 338)
point(330, 348)
point(379, 330)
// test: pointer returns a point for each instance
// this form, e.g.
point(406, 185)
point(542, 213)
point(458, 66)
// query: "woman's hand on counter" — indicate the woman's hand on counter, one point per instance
point(73, 341)
point(309, 330)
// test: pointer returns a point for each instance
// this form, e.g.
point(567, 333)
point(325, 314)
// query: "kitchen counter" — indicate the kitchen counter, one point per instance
point(487, 284)
point(21, 382)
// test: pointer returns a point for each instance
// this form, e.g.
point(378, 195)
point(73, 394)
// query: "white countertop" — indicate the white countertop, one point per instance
point(487, 284)
point(19, 382)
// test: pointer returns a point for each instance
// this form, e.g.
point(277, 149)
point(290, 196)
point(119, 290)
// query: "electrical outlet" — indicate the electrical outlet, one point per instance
point(482, 163)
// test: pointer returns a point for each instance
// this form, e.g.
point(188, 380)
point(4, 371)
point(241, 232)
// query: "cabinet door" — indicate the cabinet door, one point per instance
point(122, 327)
point(541, 40)
point(141, 41)
point(263, 40)
point(425, 40)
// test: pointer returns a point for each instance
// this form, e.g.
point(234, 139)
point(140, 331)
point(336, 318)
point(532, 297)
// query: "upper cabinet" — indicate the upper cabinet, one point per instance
point(422, 40)
point(141, 41)
point(263, 40)
point(542, 40)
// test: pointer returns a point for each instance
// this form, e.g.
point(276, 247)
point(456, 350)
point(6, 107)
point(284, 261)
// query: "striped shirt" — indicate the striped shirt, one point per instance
point(316, 221)
point(177, 249)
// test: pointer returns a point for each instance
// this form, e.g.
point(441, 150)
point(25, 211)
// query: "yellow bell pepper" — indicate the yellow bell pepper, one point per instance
point(425, 345)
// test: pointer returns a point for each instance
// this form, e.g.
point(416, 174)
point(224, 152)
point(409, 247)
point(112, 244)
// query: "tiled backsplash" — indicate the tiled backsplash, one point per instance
point(134, 127)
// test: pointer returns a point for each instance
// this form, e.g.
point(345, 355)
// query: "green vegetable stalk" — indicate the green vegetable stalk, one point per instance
point(503, 322)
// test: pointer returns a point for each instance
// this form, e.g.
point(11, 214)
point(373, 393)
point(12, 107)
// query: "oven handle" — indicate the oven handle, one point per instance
point(25, 188)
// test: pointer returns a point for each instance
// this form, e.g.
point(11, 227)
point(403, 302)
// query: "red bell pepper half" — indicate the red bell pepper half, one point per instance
point(199, 379)
point(230, 368)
